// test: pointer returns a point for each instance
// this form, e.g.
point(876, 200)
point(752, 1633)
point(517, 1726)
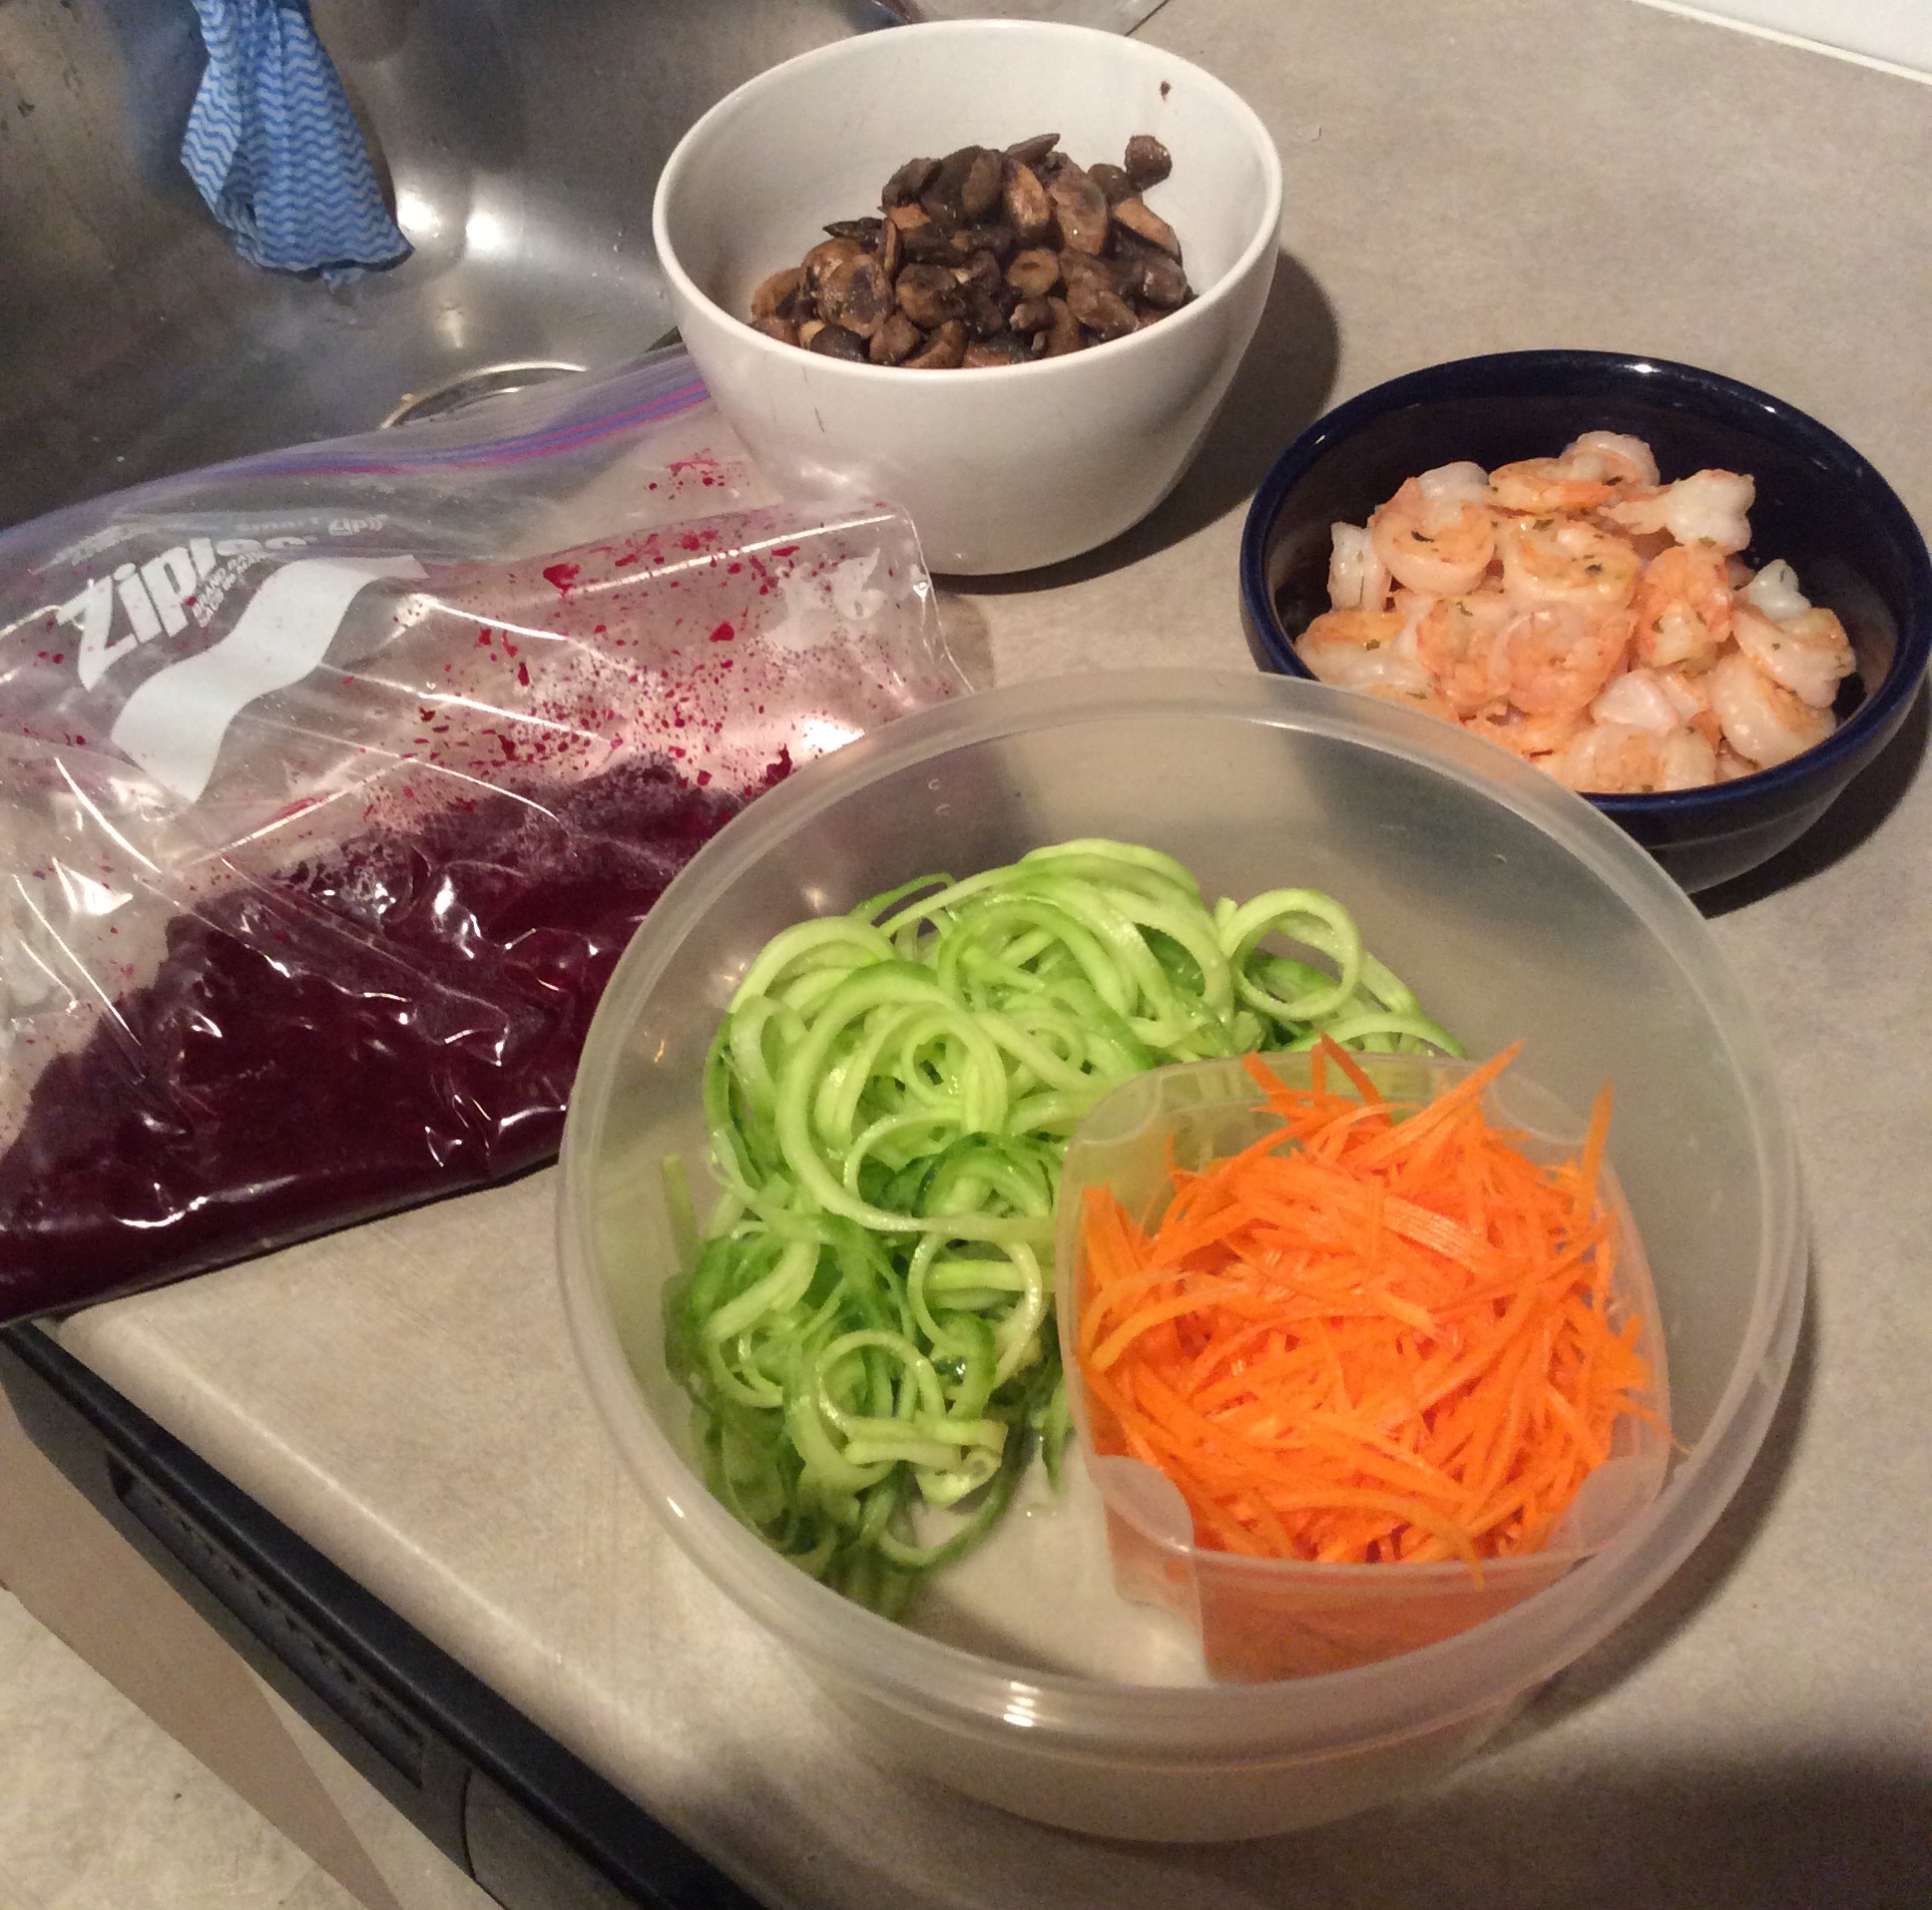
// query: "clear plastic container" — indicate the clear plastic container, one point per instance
point(1512, 909)
point(1272, 1619)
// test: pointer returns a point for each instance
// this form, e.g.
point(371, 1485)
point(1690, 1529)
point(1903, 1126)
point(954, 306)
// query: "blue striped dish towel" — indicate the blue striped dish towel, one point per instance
point(275, 148)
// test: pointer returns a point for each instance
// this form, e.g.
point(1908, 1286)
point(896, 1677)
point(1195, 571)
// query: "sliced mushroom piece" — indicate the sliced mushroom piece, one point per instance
point(856, 294)
point(895, 340)
point(809, 329)
point(776, 295)
point(1063, 334)
point(835, 341)
point(944, 198)
point(981, 272)
point(995, 237)
point(994, 351)
point(944, 349)
point(1114, 184)
point(1147, 160)
point(1034, 272)
point(864, 231)
point(984, 318)
point(1100, 307)
point(1030, 152)
point(891, 247)
point(1140, 219)
point(929, 244)
point(907, 183)
point(1031, 316)
point(827, 254)
point(1079, 210)
point(1024, 200)
point(907, 218)
point(979, 191)
point(1160, 282)
point(1082, 268)
point(928, 294)
point(774, 327)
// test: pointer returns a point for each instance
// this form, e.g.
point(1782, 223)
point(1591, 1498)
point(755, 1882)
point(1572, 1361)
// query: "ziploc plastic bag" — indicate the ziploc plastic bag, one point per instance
point(320, 830)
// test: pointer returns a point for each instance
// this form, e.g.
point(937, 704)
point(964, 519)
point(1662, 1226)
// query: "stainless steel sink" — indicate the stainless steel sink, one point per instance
point(520, 141)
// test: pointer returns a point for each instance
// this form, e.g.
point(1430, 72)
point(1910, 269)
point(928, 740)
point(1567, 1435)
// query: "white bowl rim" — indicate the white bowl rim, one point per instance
point(1266, 232)
point(1228, 1724)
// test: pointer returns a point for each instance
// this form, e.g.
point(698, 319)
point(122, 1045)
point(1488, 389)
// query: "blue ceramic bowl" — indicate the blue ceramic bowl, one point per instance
point(1818, 504)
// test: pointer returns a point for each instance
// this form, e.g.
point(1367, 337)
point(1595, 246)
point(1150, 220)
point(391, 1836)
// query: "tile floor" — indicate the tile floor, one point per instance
point(102, 1810)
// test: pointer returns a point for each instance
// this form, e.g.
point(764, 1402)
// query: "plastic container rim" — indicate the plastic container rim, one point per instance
point(745, 97)
point(1230, 1724)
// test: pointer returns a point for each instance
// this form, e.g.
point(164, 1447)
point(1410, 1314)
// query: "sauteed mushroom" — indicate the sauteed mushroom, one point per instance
point(1148, 161)
point(944, 349)
point(1143, 221)
point(986, 257)
point(1028, 210)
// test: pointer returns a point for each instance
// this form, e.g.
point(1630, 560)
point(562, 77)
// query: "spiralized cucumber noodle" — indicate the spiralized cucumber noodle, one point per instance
point(866, 1326)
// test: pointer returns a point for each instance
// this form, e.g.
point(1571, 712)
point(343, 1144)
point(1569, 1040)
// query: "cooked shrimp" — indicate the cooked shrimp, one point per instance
point(1708, 507)
point(1659, 699)
point(1366, 650)
point(1561, 560)
point(1441, 548)
point(1357, 578)
point(1544, 487)
point(1690, 695)
point(1578, 611)
point(1427, 702)
point(1690, 692)
point(1774, 591)
point(1810, 653)
point(1684, 607)
point(1618, 758)
point(1531, 737)
point(1762, 719)
point(1449, 486)
point(1623, 464)
point(1561, 657)
point(1640, 699)
point(1460, 642)
point(1686, 759)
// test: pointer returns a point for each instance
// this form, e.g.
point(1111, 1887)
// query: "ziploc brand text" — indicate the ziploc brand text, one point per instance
point(135, 603)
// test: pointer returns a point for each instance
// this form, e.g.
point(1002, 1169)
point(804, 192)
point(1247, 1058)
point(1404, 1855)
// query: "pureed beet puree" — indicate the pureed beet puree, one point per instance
point(397, 1019)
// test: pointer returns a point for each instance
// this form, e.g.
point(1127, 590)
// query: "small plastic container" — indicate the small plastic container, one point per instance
point(1512, 909)
point(1260, 1618)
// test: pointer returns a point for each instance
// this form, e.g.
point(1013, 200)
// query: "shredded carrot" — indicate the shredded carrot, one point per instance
point(1378, 1333)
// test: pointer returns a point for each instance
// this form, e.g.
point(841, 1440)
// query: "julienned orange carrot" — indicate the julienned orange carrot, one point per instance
point(1378, 1333)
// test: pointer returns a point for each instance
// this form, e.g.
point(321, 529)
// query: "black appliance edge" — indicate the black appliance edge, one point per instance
point(534, 1826)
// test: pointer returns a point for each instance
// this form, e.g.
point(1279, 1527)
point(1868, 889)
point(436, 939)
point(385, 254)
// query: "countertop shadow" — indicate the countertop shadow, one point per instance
point(1785, 1830)
point(1867, 801)
point(1281, 386)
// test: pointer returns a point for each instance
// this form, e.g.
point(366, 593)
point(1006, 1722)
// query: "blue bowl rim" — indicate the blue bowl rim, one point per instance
point(1726, 397)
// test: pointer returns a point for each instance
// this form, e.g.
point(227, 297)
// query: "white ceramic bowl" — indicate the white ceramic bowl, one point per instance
point(1514, 910)
point(1009, 467)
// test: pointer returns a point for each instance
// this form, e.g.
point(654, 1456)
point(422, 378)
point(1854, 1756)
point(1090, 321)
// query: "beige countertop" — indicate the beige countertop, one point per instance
point(1461, 175)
